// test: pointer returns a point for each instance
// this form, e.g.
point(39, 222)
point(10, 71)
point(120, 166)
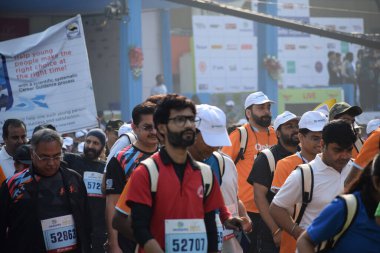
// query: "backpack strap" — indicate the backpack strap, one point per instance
point(222, 165)
point(207, 178)
point(243, 143)
point(307, 177)
point(151, 165)
point(351, 207)
point(358, 144)
point(271, 160)
point(131, 136)
point(206, 172)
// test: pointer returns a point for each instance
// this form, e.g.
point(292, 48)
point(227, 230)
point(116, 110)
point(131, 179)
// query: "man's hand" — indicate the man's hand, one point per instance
point(277, 238)
point(234, 223)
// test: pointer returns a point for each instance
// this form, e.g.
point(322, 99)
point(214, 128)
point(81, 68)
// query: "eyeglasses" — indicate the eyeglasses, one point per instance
point(148, 128)
point(47, 158)
point(180, 121)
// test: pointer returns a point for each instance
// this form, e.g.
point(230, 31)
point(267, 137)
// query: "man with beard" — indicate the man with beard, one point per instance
point(121, 167)
point(261, 176)
point(179, 199)
point(310, 135)
point(259, 137)
point(91, 168)
point(328, 173)
point(14, 135)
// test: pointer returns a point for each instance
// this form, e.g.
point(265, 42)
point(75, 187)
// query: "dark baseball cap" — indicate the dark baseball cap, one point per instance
point(22, 154)
point(343, 108)
point(114, 124)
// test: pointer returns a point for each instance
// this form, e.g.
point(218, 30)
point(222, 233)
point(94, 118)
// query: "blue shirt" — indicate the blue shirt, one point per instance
point(362, 236)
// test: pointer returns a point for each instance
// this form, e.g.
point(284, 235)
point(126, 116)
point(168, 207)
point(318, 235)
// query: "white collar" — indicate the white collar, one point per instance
point(320, 164)
point(4, 154)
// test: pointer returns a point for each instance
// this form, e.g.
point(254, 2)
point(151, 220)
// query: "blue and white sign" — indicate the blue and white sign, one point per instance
point(45, 78)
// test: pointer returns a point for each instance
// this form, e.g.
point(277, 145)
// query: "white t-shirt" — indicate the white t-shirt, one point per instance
point(328, 183)
point(160, 89)
point(7, 163)
point(229, 189)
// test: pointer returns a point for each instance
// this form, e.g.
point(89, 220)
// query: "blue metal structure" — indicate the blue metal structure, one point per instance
point(267, 45)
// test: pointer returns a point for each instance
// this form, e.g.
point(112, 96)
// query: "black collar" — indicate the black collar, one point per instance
point(166, 159)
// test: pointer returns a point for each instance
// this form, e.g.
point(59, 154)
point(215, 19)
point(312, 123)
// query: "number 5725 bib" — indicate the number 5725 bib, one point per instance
point(185, 235)
point(59, 234)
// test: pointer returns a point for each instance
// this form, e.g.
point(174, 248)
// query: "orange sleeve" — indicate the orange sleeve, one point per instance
point(139, 187)
point(283, 169)
point(233, 150)
point(121, 204)
point(280, 174)
point(2, 175)
point(369, 150)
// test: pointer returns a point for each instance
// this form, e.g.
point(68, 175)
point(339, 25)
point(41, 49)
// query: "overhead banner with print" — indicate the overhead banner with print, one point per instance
point(45, 78)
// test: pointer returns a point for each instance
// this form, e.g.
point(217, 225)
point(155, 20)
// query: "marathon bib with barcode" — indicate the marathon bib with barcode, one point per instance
point(93, 182)
point(59, 234)
point(186, 235)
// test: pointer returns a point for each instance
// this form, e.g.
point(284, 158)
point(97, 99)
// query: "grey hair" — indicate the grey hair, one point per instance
point(45, 135)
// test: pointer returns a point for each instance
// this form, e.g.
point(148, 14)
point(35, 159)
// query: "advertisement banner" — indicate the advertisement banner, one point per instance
point(45, 78)
point(299, 101)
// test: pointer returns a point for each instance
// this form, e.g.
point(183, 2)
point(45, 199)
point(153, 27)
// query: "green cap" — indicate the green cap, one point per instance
point(344, 108)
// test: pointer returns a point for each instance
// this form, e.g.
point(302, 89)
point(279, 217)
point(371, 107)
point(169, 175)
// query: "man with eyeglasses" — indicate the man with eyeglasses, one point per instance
point(91, 167)
point(14, 135)
point(310, 135)
point(122, 165)
point(45, 208)
point(179, 200)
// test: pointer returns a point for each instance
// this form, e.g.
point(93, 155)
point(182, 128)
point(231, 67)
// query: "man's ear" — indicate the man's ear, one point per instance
point(323, 144)
point(134, 127)
point(161, 129)
point(247, 113)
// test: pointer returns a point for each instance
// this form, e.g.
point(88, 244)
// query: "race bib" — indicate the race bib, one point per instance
point(186, 235)
point(93, 182)
point(59, 234)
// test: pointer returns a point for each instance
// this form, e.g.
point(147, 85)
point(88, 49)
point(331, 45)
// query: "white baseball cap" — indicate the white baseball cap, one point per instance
point(230, 103)
point(373, 125)
point(256, 98)
point(81, 147)
point(283, 118)
point(80, 133)
point(125, 128)
point(67, 142)
point(213, 125)
point(313, 120)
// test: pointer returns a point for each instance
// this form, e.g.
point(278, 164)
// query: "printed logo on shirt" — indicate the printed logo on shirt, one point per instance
point(200, 191)
point(109, 183)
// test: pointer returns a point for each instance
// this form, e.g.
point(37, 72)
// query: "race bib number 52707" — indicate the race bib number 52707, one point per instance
point(186, 235)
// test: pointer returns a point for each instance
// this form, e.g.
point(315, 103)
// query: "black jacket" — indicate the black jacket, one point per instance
point(20, 225)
